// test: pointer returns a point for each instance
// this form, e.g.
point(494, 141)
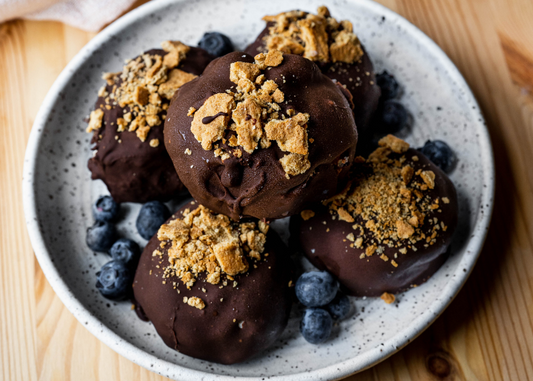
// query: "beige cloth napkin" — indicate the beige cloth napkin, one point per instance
point(90, 15)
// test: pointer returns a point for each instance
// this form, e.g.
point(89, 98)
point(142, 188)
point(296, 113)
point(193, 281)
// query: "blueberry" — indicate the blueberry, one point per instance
point(316, 288)
point(127, 251)
point(339, 307)
point(439, 153)
point(114, 280)
point(393, 116)
point(388, 85)
point(316, 325)
point(152, 215)
point(216, 44)
point(101, 236)
point(105, 209)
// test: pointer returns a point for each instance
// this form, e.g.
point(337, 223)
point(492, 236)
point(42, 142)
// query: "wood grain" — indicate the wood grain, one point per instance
point(485, 334)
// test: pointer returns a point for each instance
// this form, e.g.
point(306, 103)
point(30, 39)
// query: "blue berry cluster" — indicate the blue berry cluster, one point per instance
point(216, 44)
point(115, 278)
point(393, 116)
point(319, 291)
point(439, 153)
point(101, 236)
point(152, 215)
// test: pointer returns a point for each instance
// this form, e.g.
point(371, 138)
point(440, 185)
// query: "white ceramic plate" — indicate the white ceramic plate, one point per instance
point(58, 192)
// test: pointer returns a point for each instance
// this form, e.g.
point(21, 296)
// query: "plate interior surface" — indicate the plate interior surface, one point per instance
point(59, 192)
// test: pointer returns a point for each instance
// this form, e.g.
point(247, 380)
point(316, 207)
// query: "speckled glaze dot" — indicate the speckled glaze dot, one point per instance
point(58, 192)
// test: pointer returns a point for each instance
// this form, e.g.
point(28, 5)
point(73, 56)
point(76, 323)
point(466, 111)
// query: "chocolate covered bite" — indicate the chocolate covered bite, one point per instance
point(127, 123)
point(389, 230)
point(215, 289)
point(261, 138)
point(333, 46)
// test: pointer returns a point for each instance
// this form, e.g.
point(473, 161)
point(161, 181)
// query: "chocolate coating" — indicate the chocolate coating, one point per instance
point(365, 92)
point(255, 184)
point(260, 304)
point(133, 170)
point(372, 276)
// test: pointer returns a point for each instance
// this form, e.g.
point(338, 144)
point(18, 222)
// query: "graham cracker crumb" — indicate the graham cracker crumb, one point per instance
point(317, 37)
point(370, 250)
point(140, 85)
point(176, 79)
point(404, 229)
point(191, 112)
point(346, 47)
point(122, 124)
point(253, 114)
point(345, 216)
point(273, 58)
point(278, 96)
point(290, 134)
point(397, 145)
point(446, 200)
point(140, 95)
point(154, 143)
point(388, 203)
point(230, 257)
point(307, 214)
point(208, 133)
point(188, 151)
point(176, 53)
point(429, 178)
point(142, 132)
point(388, 298)
point(243, 71)
point(102, 92)
point(263, 226)
point(196, 302)
point(247, 117)
point(294, 164)
point(202, 241)
point(95, 120)
point(154, 99)
point(407, 174)
point(110, 78)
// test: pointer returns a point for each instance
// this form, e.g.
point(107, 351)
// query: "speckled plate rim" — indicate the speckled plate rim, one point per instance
point(162, 367)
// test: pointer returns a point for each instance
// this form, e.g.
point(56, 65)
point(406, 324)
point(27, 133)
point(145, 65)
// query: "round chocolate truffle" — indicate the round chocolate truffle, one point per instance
point(129, 154)
point(333, 46)
point(261, 139)
point(215, 289)
point(389, 230)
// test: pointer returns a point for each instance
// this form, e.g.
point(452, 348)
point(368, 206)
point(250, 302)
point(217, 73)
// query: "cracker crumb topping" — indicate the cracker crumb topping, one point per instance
point(317, 37)
point(219, 105)
point(194, 301)
point(388, 298)
point(143, 89)
point(252, 116)
point(307, 214)
point(388, 202)
point(95, 120)
point(202, 241)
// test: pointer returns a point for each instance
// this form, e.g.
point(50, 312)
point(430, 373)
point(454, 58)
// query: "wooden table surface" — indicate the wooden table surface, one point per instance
point(485, 334)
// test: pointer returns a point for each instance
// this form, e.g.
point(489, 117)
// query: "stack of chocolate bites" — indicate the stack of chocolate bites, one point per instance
point(257, 136)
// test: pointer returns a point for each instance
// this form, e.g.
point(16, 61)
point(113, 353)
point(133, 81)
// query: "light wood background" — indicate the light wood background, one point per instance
point(486, 333)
